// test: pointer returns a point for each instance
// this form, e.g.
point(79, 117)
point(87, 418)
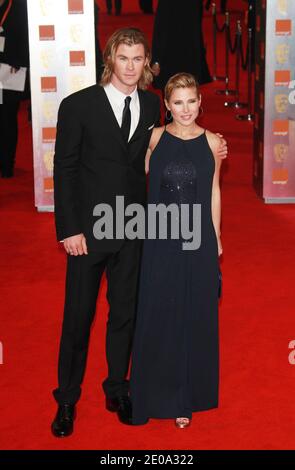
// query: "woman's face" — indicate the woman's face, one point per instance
point(184, 105)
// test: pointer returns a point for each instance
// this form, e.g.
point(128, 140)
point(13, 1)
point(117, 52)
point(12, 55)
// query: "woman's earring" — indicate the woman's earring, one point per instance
point(168, 116)
point(201, 110)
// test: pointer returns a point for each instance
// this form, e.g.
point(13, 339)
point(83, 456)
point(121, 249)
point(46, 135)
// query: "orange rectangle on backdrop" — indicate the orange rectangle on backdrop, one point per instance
point(48, 134)
point(281, 127)
point(280, 174)
point(283, 27)
point(47, 33)
point(77, 58)
point(76, 7)
point(48, 84)
point(48, 184)
point(282, 77)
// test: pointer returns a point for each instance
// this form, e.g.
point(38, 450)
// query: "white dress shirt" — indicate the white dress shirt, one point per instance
point(117, 102)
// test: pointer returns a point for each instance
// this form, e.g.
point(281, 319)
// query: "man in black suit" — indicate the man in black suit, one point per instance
point(102, 137)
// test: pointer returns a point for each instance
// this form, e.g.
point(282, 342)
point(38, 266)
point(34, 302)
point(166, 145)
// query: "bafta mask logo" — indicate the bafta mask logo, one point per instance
point(48, 160)
point(281, 152)
point(46, 58)
point(281, 103)
point(78, 82)
point(282, 53)
point(282, 7)
point(49, 110)
point(46, 7)
point(76, 33)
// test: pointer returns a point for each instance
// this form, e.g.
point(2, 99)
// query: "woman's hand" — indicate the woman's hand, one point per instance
point(222, 149)
point(220, 249)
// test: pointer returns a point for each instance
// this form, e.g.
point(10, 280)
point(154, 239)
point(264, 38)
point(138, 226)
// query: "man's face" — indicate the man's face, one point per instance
point(129, 64)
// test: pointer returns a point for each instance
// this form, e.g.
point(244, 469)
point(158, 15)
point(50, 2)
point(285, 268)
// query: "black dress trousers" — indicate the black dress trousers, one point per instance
point(82, 284)
point(9, 130)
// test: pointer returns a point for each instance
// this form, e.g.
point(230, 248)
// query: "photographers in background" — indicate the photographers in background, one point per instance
point(14, 54)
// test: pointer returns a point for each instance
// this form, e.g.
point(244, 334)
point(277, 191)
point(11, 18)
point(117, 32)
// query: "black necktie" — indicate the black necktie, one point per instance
point(126, 119)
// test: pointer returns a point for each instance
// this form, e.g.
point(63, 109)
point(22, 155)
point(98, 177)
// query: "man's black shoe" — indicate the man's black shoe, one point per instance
point(122, 406)
point(63, 424)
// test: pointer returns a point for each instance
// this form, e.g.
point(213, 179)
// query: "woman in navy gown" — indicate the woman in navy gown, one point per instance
point(178, 42)
point(175, 354)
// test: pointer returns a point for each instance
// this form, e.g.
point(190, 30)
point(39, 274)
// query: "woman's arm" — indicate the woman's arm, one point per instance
point(214, 142)
point(155, 137)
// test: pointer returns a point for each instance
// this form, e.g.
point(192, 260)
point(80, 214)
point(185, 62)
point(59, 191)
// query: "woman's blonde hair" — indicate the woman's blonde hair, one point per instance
point(180, 80)
point(128, 36)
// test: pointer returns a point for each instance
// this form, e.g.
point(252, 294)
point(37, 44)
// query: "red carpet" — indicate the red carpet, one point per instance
point(257, 318)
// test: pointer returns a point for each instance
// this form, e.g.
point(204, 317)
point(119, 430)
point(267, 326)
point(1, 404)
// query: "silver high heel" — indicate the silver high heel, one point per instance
point(182, 423)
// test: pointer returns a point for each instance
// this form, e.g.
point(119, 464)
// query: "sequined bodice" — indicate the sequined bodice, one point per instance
point(181, 173)
point(178, 184)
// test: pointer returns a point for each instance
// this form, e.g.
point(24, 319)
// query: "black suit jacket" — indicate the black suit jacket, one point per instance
point(93, 164)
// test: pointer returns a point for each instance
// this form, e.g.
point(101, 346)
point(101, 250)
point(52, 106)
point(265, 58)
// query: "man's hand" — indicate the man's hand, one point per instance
point(222, 150)
point(14, 70)
point(76, 245)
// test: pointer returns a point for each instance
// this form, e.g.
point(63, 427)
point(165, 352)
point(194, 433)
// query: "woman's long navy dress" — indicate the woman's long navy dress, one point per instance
point(175, 355)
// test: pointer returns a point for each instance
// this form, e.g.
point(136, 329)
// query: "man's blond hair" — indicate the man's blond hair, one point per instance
point(130, 37)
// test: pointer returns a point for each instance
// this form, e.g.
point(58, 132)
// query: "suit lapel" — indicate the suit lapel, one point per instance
point(142, 117)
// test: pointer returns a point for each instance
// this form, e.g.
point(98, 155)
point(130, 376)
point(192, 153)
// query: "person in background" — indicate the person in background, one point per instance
point(178, 43)
point(98, 53)
point(223, 5)
point(14, 51)
point(251, 23)
point(146, 6)
point(118, 6)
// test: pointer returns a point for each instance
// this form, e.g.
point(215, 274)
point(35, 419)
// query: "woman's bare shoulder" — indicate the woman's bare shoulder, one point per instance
point(213, 138)
point(156, 135)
